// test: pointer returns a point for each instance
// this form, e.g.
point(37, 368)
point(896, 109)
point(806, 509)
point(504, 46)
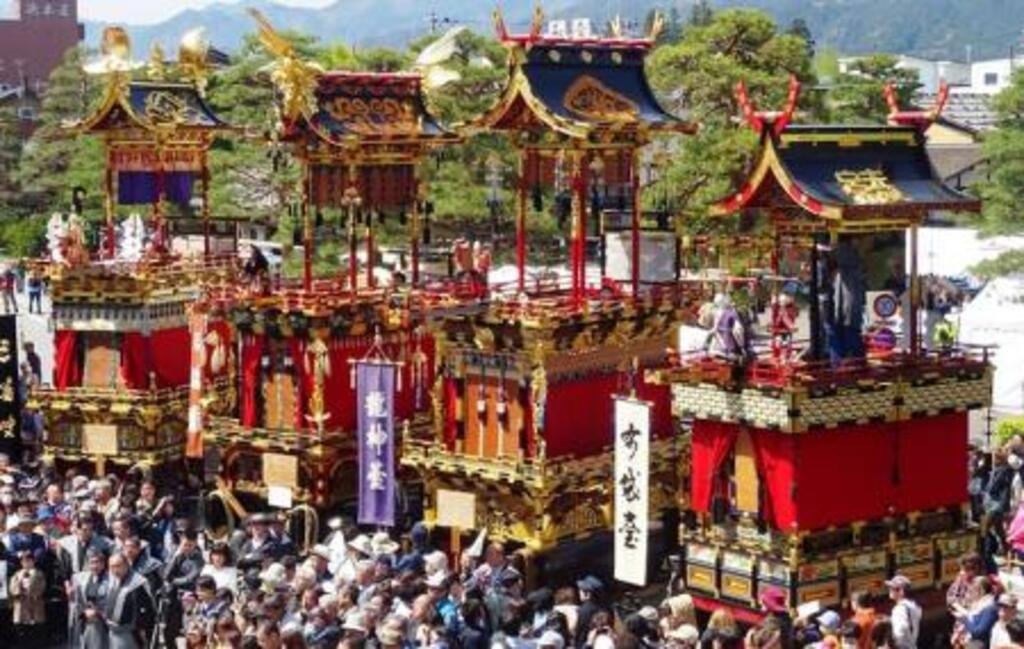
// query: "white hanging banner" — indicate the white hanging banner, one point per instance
point(632, 473)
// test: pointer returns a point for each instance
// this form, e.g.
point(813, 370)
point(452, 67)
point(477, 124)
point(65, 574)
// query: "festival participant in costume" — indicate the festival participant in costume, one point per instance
point(88, 595)
point(130, 608)
point(589, 588)
point(864, 617)
point(72, 550)
point(180, 576)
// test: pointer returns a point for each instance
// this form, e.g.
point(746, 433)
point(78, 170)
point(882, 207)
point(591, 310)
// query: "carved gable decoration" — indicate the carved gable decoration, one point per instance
point(592, 100)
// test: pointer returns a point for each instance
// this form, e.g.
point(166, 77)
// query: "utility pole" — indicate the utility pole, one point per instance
point(435, 21)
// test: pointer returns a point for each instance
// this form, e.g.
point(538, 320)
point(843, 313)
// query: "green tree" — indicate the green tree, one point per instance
point(10, 152)
point(800, 29)
point(701, 13)
point(698, 76)
point(857, 96)
point(1003, 190)
point(55, 160)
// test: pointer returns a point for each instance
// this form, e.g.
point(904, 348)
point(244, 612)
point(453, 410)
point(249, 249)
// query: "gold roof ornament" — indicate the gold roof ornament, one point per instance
point(115, 54)
point(615, 26)
point(295, 78)
point(156, 67)
point(499, 24)
point(193, 53)
point(657, 26)
point(537, 22)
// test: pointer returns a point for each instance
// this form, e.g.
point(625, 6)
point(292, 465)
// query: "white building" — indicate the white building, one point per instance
point(990, 77)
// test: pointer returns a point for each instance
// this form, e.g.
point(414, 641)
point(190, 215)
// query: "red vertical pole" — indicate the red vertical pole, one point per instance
point(521, 221)
point(635, 230)
point(369, 249)
point(206, 207)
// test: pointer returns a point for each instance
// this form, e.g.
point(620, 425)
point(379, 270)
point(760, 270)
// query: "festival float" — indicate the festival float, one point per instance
point(121, 377)
point(831, 453)
point(522, 435)
point(359, 138)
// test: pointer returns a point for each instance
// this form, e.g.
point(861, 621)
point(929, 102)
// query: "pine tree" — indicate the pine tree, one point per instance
point(697, 77)
point(858, 95)
point(1003, 190)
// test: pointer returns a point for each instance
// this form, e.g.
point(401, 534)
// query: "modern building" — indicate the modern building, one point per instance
point(34, 36)
point(992, 76)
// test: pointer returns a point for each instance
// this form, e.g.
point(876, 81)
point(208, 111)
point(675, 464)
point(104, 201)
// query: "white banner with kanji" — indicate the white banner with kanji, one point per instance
point(632, 472)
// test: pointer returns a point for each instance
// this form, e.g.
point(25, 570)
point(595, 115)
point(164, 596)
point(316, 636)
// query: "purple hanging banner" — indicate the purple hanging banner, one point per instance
point(375, 398)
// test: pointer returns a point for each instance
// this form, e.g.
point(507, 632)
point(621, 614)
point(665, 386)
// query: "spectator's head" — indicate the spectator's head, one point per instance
point(220, 555)
point(898, 587)
point(206, 588)
point(97, 561)
point(860, 600)
point(970, 564)
point(84, 528)
point(147, 491)
point(1007, 607)
point(118, 566)
point(268, 635)
point(1015, 629)
point(27, 559)
point(54, 494)
point(132, 548)
point(189, 540)
point(495, 555)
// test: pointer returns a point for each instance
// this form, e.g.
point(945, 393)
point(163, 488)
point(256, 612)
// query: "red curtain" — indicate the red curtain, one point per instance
point(67, 367)
point(930, 460)
point(528, 428)
point(135, 360)
point(451, 421)
point(774, 454)
point(171, 354)
point(340, 392)
point(578, 415)
point(252, 354)
point(711, 444)
point(661, 412)
point(845, 475)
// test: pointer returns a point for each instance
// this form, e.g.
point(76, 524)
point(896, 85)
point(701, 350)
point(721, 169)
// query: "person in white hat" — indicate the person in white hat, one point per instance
point(906, 614)
point(336, 544)
point(381, 544)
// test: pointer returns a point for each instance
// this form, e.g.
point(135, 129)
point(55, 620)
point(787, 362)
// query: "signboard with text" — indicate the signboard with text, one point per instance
point(632, 473)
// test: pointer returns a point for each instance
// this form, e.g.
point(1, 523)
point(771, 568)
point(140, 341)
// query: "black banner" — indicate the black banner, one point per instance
point(10, 401)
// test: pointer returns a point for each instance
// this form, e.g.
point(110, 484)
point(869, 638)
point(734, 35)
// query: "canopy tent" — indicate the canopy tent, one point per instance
point(996, 317)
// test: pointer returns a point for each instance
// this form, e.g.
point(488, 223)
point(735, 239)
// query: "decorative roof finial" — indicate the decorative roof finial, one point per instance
point(156, 67)
point(537, 22)
point(115, 54)
point(615, 26)
point(296, 79)
point(499, 24)
point(919, 119)
point(657, 26)
point(192, 57)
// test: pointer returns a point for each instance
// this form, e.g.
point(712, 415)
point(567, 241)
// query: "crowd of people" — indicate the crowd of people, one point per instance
point(102, 563)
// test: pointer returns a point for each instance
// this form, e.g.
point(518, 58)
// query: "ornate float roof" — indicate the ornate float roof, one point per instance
point(577, 86)
point(369, 107)
point(151, 106)
point(854, 176)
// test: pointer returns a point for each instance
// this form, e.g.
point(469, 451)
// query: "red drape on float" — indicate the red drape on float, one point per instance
point(711, 444)
point(577, 415)
point(340, 389)
point(845, 474)
point(774, 455)
point(660, 397)
point(67, 369)
point(135, 360)
point(171, 355)
point(930, 460)
point(529, 430)
point(451, 412)
point(252, 353)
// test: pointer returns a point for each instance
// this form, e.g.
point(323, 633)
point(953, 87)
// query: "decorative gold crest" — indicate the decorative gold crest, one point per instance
point(374, 116)
point(589, 98)
point(166, 108)
point(868, 187)
point(5, 351)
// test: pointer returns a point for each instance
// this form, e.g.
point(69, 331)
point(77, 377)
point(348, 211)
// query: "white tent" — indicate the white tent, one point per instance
point(996, 317)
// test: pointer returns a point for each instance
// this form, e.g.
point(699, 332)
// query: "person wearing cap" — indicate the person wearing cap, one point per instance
point(906, 614)
point(28, 610)
point(260, 543)
point(684, 636)
point(1000, 637)
point(774, 602)
point(25, 539)
point(589, 588)
point(828, 623)
point(320, 558)
point(419, 538)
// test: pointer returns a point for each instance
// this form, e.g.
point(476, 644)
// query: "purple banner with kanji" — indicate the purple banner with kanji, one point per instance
point(375, 398)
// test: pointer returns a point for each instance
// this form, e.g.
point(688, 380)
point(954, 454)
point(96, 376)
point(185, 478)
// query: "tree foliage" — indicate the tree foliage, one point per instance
point(1003, 190)
point(858, 95)
point(697, 77)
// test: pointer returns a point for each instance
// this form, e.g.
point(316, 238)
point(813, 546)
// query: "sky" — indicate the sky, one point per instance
point(140, 12)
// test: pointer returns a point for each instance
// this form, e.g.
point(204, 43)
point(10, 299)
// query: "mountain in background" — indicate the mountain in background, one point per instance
point(927, 28)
